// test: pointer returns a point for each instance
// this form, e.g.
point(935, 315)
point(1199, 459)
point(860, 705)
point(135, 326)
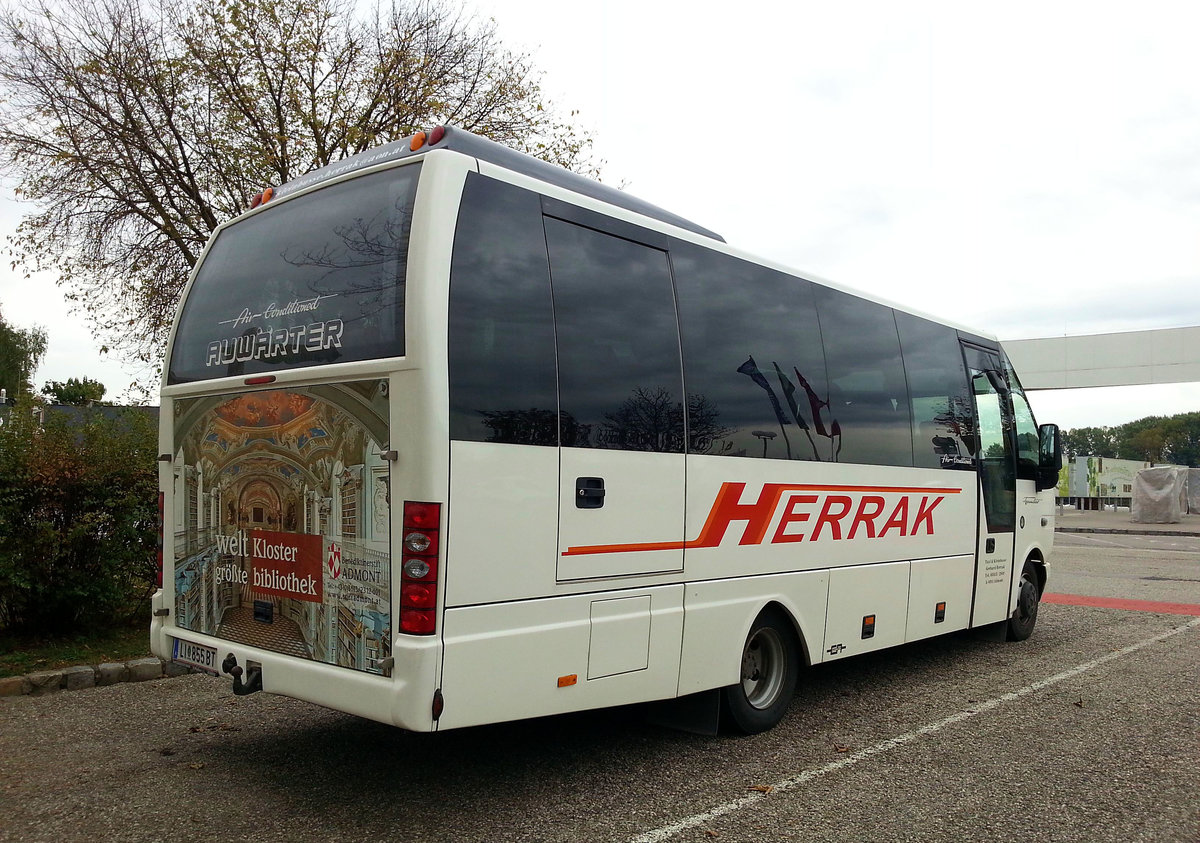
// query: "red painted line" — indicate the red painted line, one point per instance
point(1119, 603)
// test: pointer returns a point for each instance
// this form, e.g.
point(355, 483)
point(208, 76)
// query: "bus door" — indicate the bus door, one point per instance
point(621, 410)
point(996, 468)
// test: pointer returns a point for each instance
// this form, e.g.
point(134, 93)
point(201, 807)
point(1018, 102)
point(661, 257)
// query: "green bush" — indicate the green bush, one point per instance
point(78, 517)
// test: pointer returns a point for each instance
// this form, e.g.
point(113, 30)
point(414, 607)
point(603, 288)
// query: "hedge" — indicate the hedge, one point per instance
point(78, 517)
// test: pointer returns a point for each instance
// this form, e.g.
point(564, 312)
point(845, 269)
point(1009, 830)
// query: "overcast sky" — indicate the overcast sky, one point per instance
point(1030, 169)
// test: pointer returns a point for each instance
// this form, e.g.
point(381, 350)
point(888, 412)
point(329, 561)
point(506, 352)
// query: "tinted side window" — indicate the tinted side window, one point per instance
point(501, 354)
point(618, 342)
point(752, 357)
point(943, 415)
point(868, 396)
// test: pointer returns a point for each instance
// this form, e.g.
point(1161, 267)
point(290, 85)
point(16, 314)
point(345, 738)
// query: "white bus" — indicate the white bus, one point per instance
point(451, 436)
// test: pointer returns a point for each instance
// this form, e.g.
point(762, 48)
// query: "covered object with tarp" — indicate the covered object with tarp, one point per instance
point(1158, 495)
point(1193, 490)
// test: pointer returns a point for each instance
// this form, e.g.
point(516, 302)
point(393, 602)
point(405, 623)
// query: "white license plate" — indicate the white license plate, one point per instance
point(196, 655)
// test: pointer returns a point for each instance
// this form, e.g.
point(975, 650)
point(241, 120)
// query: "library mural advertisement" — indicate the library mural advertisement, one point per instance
point(281, 521)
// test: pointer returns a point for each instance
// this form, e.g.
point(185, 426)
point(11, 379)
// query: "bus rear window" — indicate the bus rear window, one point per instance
point(317, 279)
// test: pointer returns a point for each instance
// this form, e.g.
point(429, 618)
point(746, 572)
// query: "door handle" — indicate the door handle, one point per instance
point(589, 492)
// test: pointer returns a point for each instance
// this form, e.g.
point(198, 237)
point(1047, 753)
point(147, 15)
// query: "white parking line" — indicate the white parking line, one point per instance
point(1086, 537)
point(668, 831)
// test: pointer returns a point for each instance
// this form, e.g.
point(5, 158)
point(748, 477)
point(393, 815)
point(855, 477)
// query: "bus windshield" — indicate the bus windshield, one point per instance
point(314, 280)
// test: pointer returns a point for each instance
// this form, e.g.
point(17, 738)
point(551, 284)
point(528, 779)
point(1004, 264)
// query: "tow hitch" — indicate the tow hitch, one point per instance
point(253, 678)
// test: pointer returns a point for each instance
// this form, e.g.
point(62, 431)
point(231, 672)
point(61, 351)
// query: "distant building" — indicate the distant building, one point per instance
point(76, 414)
point(1090, 481)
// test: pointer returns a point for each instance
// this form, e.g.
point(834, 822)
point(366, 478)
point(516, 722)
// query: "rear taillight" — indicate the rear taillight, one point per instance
point(161, 512)
point(418, 567)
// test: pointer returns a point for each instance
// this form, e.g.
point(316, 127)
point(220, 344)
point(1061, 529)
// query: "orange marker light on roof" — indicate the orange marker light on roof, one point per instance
point(268, 195)
point(418, 141)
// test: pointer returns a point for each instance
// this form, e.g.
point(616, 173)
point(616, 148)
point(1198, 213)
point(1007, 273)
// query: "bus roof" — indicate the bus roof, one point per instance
point(460, 140)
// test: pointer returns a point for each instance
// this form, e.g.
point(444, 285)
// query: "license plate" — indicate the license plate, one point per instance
point(196, 655)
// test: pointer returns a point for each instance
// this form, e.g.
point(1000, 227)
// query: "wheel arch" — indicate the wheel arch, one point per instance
point(719, 616)
point(788, 613)
point(1038, 559)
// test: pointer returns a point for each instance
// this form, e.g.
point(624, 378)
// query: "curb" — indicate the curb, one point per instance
point(90, 676)
point(1127, 532)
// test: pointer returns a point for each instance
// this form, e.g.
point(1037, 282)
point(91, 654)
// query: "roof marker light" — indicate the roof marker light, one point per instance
point(436, 135)
point(418, 141)
point(268, 195)
point(256, 200)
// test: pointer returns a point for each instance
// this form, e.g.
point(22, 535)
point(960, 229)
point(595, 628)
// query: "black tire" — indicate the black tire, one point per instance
point(1020, 625)
point(770, 669)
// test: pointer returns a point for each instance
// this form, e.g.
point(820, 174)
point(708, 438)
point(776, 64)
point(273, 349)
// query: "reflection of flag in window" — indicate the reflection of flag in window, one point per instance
point(789, 392)
point(750, 368)
point(815, 404)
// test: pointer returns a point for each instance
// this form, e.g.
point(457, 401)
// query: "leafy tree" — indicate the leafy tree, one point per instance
point(77, 391)
point(1158, 439)
point(137, 126)
point(1089, 441)
point(1182, 438)
point(78, 517)
point(21, 351)
point(1147, 444)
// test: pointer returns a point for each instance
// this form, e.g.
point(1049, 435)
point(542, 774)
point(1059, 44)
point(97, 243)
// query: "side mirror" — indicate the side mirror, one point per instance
point(1049, 456)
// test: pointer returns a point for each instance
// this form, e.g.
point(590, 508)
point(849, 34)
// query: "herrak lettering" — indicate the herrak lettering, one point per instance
point(809, 513)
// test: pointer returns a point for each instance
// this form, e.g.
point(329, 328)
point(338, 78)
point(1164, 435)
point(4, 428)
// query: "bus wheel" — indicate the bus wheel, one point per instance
point(1020, 625)
point(770, 665)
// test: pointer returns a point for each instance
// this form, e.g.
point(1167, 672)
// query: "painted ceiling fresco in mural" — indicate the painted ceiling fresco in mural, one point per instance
point(265, 409)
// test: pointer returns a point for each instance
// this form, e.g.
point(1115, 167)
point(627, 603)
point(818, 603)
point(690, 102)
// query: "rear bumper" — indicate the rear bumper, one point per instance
point(404, 699)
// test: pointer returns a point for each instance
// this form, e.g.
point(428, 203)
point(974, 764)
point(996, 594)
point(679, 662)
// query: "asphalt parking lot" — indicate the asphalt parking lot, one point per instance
point(1087, 731)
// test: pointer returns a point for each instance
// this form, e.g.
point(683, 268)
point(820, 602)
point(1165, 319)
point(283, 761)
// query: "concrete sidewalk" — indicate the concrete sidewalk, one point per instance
point(1076, 521)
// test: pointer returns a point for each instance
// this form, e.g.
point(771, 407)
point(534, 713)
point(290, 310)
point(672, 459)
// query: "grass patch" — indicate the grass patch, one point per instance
point(27, 654)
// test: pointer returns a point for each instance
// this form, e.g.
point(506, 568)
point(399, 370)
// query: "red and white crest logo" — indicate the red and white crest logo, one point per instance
point(335, 560)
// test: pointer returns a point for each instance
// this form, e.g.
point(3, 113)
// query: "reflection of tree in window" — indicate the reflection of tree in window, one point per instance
point(704, 429)
point(646, 421)
point(521, 427)
point(649, 420)
point(361, 260)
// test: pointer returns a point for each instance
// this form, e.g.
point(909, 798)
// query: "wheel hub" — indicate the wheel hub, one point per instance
point(763, 667)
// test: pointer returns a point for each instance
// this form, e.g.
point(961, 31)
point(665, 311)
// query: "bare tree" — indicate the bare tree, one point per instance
point(137, 127)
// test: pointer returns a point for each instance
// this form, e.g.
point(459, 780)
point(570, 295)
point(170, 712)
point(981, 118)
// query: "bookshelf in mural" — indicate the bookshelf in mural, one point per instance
point(281, 516)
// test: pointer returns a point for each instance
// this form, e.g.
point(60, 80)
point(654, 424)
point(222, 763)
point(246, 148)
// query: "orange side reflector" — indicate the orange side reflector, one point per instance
point(568, 681)
point(417, 142)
